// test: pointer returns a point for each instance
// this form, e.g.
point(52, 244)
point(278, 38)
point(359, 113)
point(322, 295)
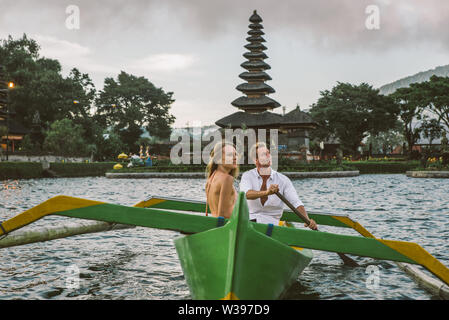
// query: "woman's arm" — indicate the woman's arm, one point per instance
point(225, 200)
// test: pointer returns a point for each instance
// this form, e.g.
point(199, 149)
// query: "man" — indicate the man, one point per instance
point(262, 183)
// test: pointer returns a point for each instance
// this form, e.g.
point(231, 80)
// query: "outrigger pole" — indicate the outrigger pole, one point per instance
point(155, 213)
point(432, 285)
point(48, 233)
point(64, 231)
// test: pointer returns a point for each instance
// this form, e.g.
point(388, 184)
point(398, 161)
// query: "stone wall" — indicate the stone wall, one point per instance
point(43, 158)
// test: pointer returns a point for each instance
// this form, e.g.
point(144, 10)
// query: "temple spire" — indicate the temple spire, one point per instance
point(255, 89)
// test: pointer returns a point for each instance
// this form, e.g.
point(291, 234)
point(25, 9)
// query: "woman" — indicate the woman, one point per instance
point(148, 161)
point(221, 172)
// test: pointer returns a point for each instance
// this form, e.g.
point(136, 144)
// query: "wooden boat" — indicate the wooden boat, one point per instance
point(237, 261)
point(235, 258)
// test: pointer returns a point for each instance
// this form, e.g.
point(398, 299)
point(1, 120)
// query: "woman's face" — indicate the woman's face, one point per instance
point(229, 157)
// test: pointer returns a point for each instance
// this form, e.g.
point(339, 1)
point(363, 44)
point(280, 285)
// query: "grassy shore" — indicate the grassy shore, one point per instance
point(28, 170)
point(382, 167)
point(316, 167)
point(34, 170)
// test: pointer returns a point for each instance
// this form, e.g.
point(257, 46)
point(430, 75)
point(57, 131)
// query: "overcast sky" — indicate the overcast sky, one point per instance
point(194, 47)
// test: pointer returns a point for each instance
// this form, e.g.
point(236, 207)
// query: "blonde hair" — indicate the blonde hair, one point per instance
point(216, 156)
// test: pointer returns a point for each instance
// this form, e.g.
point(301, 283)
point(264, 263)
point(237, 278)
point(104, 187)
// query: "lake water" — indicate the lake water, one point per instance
point(142, 263)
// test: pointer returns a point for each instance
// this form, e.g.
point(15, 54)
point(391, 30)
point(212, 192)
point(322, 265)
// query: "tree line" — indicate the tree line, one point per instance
point(69, 116)
point(356, 113)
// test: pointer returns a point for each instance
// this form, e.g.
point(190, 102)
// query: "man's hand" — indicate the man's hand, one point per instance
point(272, 189)
point(312, 225)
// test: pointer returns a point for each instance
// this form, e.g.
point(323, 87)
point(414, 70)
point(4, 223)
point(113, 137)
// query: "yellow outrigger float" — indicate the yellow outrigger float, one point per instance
point(225, 259)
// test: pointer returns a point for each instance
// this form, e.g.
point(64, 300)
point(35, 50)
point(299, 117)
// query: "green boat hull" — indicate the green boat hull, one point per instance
point(236, 261)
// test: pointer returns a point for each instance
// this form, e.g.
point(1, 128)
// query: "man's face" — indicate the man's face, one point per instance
point(263, 157)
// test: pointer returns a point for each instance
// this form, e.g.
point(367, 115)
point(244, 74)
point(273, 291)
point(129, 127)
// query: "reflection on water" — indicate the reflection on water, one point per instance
point(141, 263)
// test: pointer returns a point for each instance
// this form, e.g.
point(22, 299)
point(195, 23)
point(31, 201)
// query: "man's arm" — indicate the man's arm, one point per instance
point(313, 224)
point(252, 194)
point(247, 187)
point(292, 196)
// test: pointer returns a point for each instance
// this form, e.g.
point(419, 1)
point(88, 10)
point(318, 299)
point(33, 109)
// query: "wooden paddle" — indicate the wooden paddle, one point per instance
point(347, 260)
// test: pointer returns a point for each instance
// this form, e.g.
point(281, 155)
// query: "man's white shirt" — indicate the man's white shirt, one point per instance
point(272, 211)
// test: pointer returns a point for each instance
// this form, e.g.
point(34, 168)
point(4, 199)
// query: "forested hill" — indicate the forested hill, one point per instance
point(442, 71)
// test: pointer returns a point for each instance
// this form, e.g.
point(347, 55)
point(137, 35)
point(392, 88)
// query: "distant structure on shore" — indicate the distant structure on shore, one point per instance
point(256, 107)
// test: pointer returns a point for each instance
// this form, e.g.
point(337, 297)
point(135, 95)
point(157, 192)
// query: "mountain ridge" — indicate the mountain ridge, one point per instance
point(441, 71)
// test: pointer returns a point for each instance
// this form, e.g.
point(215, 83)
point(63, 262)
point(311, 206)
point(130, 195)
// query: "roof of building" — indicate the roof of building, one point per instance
point(14, 127)
point(261, 103)
point(263, 76)
point(256, 32)
point(255, 26)
point(255, 18)
point(297, 116)
point(255, 65)
point(255, 47)
point(262, 88)
point(250, 120)
point(266, 119)
point(255, 39)
point(255, 55)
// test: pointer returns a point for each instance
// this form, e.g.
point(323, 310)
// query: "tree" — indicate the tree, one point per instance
point(108, 145)
point(65, 138)
point(431, 129)
point(80, 101)
point(130, 103)
point(3, 131)
point(410, 104)
point(350, 113)
point(435, 95)
point(386, 141)
point(42, 88)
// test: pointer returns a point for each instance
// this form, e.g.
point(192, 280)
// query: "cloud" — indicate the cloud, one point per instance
point(56, 48)
point(194, 47)
point(165, 62)
point(328, 24)
point(71, 54)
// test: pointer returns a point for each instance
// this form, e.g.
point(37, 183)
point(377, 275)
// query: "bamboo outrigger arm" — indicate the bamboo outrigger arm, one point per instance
point(154, 216)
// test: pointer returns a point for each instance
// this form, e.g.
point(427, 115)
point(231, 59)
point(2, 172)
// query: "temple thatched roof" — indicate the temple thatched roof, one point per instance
point(255, 39)
point(250, 120)
point(255, 46)
point(263, 76)
point(249, 88)
point(255, 65)
point(296, 117)
point(254, 104)
point(14, 127)
point(255, 55)
point(255, 26)
point(256, 32)
point(255, 18)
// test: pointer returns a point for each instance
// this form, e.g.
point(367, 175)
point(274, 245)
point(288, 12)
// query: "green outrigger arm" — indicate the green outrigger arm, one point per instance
point(158, 215)
point(334, 220)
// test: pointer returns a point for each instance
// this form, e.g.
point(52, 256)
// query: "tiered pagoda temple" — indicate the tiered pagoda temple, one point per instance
point(256, 106)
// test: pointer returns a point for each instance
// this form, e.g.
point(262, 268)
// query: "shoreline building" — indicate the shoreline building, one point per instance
point(11, 132)
point(15, 132)
point(255, 107)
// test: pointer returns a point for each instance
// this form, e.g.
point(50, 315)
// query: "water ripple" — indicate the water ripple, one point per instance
point(142, 263)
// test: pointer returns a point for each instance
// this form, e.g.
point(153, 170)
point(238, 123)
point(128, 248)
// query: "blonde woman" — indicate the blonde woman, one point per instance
point(221, 172)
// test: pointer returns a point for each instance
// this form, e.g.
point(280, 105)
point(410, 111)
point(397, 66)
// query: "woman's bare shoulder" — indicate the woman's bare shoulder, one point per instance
point(228, 182)
point(225, 178)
